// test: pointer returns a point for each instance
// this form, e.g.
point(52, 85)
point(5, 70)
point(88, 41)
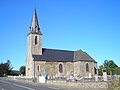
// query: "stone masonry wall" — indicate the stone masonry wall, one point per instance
point(79, 84)
point(52, 68)
point(78, 69)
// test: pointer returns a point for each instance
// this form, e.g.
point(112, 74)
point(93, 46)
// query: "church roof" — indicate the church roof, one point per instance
point(54, 55)
point(34, 27)
point(82, 56)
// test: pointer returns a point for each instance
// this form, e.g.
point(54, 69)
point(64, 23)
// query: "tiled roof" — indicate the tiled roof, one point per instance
point(54, 55)
point(82, 56)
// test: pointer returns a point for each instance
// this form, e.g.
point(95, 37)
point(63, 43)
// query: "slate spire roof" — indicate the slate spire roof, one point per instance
point(34, 27)
point(55, 55)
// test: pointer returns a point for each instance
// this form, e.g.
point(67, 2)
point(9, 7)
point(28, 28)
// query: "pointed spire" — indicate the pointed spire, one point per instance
point(34, 27)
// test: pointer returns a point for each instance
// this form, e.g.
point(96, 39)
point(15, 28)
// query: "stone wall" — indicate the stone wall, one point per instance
point(20, 79)
point(41, 65)
point(83, 68)
point(52, 68)
point(79, 84)
point(32, 49)
point(77, 69)
point(64, 83)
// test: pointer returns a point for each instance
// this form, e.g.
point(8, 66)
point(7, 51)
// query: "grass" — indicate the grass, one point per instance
point(114, 85)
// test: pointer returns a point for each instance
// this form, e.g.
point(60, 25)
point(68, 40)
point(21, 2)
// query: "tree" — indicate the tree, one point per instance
point(5, 68)
point(118, 71)
point(22, 70)
point(15, 73)
point(110, 66)
point(9, 67)
point(100, 70)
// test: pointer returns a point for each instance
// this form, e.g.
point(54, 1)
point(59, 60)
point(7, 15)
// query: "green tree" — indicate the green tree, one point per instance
point(15, 73)
point(9, 67)
point(100, 70)
point(22, 70)
point(5, 68)
point(110, 66)
point(118, 71)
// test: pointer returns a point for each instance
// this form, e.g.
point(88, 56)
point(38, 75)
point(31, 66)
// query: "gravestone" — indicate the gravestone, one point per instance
point(96, 77)
point(42, 79)
point(104, 74)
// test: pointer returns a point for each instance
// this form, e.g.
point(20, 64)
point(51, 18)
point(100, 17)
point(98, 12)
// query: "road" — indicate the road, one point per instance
point(14, 85)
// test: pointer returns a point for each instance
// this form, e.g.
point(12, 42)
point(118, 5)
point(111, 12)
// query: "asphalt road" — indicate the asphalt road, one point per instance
point(14, 85)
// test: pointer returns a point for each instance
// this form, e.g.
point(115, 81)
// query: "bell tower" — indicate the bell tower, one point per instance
point(34, 44)
point(34, 36)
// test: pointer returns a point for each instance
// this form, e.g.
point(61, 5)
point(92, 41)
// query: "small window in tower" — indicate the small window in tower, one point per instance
point(35, 40)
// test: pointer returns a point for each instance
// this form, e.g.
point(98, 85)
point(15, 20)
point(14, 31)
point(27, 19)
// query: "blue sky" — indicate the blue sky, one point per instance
point(90, 25)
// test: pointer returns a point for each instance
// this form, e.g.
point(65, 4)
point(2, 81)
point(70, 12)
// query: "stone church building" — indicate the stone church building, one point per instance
point(55, 62)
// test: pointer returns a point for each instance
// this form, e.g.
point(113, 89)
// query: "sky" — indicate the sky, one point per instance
point(90, 25)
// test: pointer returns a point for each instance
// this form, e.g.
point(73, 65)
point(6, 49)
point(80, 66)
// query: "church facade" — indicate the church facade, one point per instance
point(54, 62)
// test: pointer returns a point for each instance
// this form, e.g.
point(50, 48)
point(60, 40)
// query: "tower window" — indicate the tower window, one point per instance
point(87, 67)
point(60, 68)
point(35, 40)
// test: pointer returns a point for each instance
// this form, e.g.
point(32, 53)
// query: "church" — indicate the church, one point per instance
point(55, 62)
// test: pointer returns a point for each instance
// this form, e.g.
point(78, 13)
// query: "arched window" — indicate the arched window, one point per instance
point(95, 70)
point(87, 67)
point(60, 68)
point(35, 40)
point(38, 68)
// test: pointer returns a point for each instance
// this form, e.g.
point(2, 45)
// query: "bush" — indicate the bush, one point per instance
point(114, 85)
point(119, 82)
